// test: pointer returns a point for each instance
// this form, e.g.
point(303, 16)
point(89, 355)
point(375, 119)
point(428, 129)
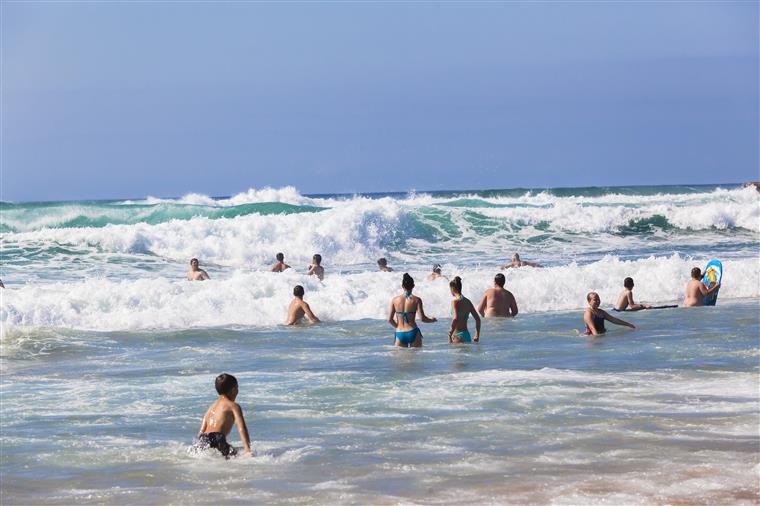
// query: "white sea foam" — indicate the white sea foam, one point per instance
point(261, 298)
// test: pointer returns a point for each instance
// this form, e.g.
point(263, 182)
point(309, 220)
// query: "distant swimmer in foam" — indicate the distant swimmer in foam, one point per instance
point(516, 262)
point(461, 309)
point(299, 308)
point(594, 317)
point(316, 269)
point(436, 273)
point(196, 273)
point(280, 265)
point(696, 291)
point(382, 264)
point(402, 314)
point(498, 302)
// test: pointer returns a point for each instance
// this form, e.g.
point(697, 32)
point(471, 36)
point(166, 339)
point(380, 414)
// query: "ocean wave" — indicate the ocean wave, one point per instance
point(610, 213)
point(261, 298)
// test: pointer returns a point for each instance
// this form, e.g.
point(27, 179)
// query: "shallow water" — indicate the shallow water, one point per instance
point(108, 356)
point(535, 413)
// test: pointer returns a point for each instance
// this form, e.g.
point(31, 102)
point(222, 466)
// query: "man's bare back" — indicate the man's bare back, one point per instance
point(497, 302)
point(695, 294)
point(298, 308)
point(220, 416)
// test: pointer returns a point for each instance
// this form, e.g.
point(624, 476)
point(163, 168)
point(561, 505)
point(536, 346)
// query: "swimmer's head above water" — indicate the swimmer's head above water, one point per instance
point(227, 385)
point(499, 280)
point(298, 291)
point(696, 273)
point(628, 283)
point(593, 299)
point(317, 259)
point(382, 262)
point(437, 268)
point(407, 282)
point(456, 286)
point(280, 257)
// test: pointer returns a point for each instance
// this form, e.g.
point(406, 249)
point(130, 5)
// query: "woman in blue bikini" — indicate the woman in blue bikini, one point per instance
point(461, 309)
point(402, 314)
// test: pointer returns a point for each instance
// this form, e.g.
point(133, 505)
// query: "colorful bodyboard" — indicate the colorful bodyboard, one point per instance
point(713, 274)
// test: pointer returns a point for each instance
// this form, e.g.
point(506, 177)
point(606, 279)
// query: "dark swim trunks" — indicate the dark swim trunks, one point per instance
point(216, 440)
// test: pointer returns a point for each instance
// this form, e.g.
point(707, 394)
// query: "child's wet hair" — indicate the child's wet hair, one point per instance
point(225, 383)
point(298, 291)
point(591, 295)
point(696, 273)
point(382, 262)
point(280, 257)
point(628, 282)
point(407, 283)
point(318, 258)
point(499, 279)
point(437, 268)
point(456, 284)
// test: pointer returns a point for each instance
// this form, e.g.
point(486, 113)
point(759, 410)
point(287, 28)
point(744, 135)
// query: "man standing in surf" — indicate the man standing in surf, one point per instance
point(696, 291)
point(196, 273)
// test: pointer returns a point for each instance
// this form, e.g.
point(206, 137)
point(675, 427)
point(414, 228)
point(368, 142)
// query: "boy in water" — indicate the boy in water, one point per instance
point(196, 273)
point(696, 291)
point(625, 299)
point(316, 268)
point(382, 263)
point(221, 415)
point(298, 308)
point(280, 265)
point(497, 301)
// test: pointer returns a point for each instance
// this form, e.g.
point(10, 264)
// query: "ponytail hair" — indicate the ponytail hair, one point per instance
point(456, 284)
point(407, 283)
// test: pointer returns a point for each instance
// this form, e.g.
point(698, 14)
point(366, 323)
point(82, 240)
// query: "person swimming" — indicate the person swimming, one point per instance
point(402, 316)
point(436, 273)
point(594, 317)
point(382, 264)
point(280, 265)
point(516, 262)
point(316, 269)
point(461, 309)
point(196, 273)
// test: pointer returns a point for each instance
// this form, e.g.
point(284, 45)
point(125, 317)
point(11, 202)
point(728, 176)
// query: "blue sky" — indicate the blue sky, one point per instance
point(111, 99)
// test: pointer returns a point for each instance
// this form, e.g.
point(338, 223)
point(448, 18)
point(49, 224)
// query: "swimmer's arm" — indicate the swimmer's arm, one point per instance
point(242, 429)
point(532, 264)
point(482, 305)
point(632, 306)
point(588, 319)
point(204, 424)
point(616, 321)
point(392, 316)
point(477, 322)
point(311, 316)
point(454, 319)
point(513, 306)
point(285, 266)
point(204, 275)
point(708, 291)
point(421, 312)
point(275, 268)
